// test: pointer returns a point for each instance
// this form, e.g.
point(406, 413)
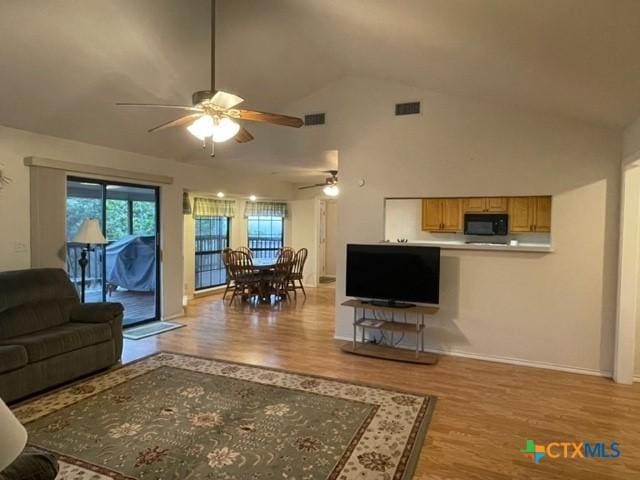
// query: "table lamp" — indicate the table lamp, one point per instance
point(13, 437)
point(89, 234)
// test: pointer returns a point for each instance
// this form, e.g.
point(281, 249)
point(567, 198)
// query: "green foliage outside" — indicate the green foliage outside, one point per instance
point(144, 216)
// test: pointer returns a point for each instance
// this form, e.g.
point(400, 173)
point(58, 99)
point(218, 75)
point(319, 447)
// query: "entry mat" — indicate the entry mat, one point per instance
point(143, 331)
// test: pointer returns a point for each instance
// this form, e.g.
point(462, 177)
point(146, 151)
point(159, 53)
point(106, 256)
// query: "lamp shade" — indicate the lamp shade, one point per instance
point(13, 437)
point(90, 232)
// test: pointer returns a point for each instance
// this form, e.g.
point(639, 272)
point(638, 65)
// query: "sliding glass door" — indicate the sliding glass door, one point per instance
point(126, 269)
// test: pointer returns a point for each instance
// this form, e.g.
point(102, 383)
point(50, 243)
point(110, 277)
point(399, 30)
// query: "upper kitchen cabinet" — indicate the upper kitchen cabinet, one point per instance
point(530, 214)
point(441, 215)
point(542, 214)
point(485, 205)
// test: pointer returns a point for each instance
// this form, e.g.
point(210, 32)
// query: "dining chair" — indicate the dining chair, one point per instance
point(297, 272)
point(245, 278)
point(225, 261)
point(246, 250)
point(282, 270)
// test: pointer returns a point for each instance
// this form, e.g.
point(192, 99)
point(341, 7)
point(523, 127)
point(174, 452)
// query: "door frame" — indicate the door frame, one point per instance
point(156, 189)
point(628, 276)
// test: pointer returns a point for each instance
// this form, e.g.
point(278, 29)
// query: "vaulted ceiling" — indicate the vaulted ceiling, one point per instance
point(65, 63)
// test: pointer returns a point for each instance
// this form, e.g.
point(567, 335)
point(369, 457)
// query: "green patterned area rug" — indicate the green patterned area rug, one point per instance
point(173, 416)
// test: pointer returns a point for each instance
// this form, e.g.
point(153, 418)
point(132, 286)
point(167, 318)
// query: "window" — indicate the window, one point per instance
point(212, 236)
point(265, 236)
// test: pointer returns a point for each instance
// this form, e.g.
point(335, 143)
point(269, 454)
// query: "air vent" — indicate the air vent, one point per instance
point(314, 119)
point(411, 108)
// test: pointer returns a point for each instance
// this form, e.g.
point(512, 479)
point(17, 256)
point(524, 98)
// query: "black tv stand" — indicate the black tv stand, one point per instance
point(389, 304)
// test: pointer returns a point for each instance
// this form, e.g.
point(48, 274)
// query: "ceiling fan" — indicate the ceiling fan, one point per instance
point(330, 184)
point(214, 113)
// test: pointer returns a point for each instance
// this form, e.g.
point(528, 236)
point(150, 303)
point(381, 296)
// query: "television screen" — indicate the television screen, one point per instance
point(394, 272)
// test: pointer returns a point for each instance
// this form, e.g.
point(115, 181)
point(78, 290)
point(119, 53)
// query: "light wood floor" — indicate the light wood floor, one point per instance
point(485, 411)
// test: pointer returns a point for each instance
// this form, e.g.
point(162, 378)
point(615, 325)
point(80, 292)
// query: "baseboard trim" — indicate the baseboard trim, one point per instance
point(174, 316)
point(208, 291)
point(511, 361)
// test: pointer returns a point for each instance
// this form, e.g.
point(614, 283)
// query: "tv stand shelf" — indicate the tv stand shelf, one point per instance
point(399, 323)
point(388, 326)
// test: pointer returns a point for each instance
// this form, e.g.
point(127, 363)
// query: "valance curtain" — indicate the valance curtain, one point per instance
point(209, 207)
point(186, 204)
point(266, 209)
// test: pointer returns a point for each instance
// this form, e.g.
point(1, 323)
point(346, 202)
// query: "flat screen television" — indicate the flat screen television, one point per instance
point(394, 274)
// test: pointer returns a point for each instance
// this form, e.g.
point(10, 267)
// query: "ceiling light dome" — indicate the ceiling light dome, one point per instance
point(331, 190)
point(202, 127)
point(223, 129)
point(220, 129)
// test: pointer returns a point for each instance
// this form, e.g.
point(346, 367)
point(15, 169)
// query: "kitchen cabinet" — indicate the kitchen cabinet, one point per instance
point(530, 214)
point(441, 215)
point(542, 214)
point(485, 205)
point(497, 204)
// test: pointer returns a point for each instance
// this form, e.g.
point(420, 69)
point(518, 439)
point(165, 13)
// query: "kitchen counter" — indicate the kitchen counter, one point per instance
point(521, 247)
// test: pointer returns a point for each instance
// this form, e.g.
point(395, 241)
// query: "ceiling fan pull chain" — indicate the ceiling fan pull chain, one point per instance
point(213, 148)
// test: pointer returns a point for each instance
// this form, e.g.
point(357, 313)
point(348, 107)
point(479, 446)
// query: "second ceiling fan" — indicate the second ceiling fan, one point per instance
point(214, 113)
point(330, 184)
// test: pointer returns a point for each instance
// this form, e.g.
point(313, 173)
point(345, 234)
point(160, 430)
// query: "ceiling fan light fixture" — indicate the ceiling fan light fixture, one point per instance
point(224, 129)
point(202, 127)
point(331, 190)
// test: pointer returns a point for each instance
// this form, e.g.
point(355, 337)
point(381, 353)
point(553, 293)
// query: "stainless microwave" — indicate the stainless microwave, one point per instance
point(486, 224)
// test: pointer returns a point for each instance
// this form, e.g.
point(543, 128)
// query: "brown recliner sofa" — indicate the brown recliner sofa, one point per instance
point(47, 337)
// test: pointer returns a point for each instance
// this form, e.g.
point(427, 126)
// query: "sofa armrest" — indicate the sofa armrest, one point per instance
point(32, 464)
point(107, 312)
point(96, 312)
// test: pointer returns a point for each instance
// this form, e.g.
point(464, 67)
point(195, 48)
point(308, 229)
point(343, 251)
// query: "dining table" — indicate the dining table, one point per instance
point(263, 268)
point(264, 264)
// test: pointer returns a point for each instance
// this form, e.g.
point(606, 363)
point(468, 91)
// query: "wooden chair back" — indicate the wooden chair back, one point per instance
point(246, 250)
point(298, 262)
point(286, 249)
point(224, 255)
point(240, 265)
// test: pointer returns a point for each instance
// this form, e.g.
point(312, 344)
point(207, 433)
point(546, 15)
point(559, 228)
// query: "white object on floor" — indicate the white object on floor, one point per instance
point(13, 436)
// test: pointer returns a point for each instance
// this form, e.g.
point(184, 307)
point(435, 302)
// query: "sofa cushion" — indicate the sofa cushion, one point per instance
point(32, 300)
point(63, 338)
point(12, 357)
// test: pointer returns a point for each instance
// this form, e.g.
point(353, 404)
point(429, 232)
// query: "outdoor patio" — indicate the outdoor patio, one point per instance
point(138, 306)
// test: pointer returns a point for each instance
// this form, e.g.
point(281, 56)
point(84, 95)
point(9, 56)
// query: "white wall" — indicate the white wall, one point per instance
point(631, 142)
point(631, 154)
point(331, 248)
point(14, 199)
point(554, 309)
point(305, 218)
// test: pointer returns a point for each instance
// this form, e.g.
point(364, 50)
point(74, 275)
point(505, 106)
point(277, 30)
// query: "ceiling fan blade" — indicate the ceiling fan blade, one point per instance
point(176, 123)
point(226, 100)
point(157, 105)
point(270, 118)
point(313, 186)
point(243, 136)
